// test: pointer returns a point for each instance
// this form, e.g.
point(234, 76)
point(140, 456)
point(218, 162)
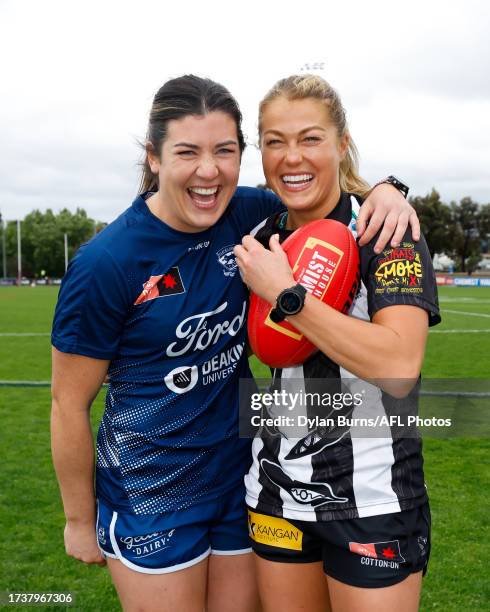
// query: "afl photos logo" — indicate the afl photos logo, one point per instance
point(182, 379)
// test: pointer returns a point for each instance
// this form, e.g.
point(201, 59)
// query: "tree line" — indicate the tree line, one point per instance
point(459, 229)
point(42, 241)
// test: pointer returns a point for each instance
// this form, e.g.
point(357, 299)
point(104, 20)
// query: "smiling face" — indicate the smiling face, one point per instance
point(197, 169)
point(301, 155)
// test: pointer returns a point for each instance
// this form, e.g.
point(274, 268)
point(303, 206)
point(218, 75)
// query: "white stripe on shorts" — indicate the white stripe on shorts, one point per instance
point(147, 570)
point(241, 551)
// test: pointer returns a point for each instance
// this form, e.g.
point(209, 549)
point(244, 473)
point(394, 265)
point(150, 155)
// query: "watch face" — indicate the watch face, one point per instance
point(290, 302)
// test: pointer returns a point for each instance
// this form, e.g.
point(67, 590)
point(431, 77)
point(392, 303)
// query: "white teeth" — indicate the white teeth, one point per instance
point(297, 178)
point(204, 190)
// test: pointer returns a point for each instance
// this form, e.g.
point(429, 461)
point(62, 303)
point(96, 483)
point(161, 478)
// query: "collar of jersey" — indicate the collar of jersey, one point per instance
point(342, 212)
point(141, 206)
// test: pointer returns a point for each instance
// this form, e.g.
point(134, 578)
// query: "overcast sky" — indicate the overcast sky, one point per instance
point(78, 78)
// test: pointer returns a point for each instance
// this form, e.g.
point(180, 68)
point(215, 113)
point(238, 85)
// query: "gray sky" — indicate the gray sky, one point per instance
point(77, 80)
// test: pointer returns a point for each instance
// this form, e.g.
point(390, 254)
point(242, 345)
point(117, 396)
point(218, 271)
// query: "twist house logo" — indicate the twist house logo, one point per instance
point(274, 531)
point(314, 269)
point(316, 265)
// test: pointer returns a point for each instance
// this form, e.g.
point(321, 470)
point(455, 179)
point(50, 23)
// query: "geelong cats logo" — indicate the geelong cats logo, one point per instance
point(227, 259)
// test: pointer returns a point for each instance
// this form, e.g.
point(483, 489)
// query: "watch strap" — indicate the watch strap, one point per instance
point(396, 182)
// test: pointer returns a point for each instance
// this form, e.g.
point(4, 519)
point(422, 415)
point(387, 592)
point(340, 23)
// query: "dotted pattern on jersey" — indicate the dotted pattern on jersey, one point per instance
point(107, 451)
point(166, 492)
point(148, 467)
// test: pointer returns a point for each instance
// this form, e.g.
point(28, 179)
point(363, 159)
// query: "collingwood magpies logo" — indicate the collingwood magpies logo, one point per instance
point(182, 379)
point(306, 493)
point(315, 442)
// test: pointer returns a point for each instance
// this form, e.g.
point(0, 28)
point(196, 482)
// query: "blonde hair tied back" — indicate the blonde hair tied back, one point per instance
point(300, 87)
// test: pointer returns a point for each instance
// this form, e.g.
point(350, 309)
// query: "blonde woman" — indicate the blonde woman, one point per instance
point(351, 508)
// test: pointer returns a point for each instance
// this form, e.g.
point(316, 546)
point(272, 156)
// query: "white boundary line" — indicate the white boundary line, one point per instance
point(459, 331)
point(30, 383)
point(468, 314)
point(462, 300)
point(224, 553)
point(17, 334)
point(25, 383)
point(40, 383)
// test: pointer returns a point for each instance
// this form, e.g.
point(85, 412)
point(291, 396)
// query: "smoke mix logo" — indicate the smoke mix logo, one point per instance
point(399, 267)
point(182, 379)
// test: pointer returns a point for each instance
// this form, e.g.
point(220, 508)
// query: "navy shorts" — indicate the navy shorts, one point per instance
point(370, 552)
point(171, 541)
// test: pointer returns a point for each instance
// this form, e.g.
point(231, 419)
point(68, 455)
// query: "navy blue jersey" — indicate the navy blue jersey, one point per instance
point(168, 309)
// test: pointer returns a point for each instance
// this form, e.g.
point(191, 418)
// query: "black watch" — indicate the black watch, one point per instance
point(289, 302)
point(397, 183)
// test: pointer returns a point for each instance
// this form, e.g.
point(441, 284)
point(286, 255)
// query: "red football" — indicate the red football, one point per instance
point(324, 258)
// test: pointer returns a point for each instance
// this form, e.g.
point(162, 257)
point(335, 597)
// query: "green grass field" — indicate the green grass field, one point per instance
point(31, 518)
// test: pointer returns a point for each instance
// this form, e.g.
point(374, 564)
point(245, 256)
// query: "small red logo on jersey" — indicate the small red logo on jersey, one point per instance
point(161, 285)
point(378, 550)
point(169, 281)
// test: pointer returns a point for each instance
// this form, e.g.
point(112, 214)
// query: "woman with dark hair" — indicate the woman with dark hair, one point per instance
point(155, 300)
point(341, 502)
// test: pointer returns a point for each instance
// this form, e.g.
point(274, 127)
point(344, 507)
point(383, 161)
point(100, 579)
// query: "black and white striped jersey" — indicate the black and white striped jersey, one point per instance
point(316, 475)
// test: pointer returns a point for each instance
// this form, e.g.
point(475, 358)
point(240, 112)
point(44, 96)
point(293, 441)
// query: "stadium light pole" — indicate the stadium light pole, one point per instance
point(66, 250)
point(3, 224)
point(19, 255)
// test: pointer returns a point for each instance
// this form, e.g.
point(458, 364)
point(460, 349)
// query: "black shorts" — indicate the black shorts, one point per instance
point(369, 552)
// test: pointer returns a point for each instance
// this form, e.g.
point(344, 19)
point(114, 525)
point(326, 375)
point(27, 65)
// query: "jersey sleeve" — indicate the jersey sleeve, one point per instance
point(401, 275)
point(92, 307)
point(252, 205)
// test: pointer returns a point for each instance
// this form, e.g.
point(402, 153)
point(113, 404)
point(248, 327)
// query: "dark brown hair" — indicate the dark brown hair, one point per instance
point(178, 98)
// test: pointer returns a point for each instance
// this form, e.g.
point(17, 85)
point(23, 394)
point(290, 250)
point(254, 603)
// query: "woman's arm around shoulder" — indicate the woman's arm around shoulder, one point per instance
point(386, 208)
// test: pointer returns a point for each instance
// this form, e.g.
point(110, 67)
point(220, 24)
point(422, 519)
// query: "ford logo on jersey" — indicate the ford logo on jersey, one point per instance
point(197, 333)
